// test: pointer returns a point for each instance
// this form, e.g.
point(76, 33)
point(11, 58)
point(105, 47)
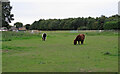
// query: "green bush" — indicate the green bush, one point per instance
point(111, 25)
point(82, 28)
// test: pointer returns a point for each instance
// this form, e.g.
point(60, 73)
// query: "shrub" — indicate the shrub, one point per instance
point(111, 25)
point(82, 28)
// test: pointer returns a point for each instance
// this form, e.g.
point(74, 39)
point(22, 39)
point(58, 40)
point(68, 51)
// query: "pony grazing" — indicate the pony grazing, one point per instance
point(44, 35)
point(79, 38)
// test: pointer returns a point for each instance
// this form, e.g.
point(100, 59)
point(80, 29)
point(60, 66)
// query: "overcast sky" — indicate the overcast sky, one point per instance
point(27, 11)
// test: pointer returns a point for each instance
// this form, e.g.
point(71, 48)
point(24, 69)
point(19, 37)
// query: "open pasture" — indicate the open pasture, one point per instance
point(28, 53)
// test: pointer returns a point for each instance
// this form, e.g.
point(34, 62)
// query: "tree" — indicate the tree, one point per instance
point(7, 17)
point(89, 23)
point(18, 24)
point(111, 25)
point(27, 26)
point(101, 22)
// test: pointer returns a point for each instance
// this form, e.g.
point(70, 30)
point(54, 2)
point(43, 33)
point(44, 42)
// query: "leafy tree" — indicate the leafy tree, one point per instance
point(82, 28)
point(95, 25)
point(7, 17)
point(0, 14)
point(27, 26)
point(34, 25)
point(89, 23)
point(118, 24)
point(111, 25)
point(18, 24)
point(101, 22)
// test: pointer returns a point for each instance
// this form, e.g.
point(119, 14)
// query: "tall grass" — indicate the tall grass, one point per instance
point(8, 36)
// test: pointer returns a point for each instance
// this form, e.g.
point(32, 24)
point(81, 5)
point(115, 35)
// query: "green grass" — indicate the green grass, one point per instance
point(58, 54)
point(9, 36)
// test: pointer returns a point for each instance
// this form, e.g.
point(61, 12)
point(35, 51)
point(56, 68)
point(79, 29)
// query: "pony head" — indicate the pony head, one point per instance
point(75, 42)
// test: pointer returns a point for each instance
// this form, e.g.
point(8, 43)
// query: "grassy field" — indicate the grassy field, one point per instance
point(28, 53)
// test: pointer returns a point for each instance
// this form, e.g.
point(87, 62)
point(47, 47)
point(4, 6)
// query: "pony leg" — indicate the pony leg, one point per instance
point(82, 41)
point(43, 39)
point(79, 42)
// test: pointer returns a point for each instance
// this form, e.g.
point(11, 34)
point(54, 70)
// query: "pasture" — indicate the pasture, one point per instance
point(26, 52)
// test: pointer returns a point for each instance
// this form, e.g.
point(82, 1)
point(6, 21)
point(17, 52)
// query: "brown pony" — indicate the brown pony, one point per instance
point(79, 38)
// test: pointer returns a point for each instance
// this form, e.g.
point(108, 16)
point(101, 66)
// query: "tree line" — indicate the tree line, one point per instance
point(80, 23)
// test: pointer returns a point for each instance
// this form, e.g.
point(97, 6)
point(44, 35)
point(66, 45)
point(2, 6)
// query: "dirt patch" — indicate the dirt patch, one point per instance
point(6, 51)
point(0, 51)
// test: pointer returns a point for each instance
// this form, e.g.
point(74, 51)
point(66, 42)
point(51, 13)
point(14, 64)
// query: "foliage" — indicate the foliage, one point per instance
point(89, 23)
point(111, 25)
point(7, 17)
point(82, 28)
point(18, 24)
point(27, 26)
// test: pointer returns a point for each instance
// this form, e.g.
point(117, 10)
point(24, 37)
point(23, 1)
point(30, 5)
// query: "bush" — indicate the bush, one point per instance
point(111, 25)
point(82, 28)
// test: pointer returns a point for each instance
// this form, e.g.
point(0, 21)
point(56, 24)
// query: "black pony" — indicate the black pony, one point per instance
point(44, 35)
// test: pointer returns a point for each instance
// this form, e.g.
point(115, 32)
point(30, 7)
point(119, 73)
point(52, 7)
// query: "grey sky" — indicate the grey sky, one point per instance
point(27, 11)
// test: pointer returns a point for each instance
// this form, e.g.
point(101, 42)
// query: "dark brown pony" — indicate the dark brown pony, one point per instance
point(79, 38)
